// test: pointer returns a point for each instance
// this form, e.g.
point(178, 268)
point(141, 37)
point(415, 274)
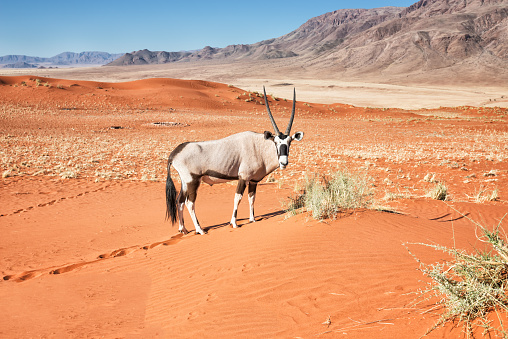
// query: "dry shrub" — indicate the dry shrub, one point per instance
point(325, 196)
point(483, 195)
point(439, 192)
point(471, 286)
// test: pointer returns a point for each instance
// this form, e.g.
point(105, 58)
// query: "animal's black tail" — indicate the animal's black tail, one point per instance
point(170, 197)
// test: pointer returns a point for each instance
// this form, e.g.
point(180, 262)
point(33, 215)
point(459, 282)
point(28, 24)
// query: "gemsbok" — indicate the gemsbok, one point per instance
point(246, 156)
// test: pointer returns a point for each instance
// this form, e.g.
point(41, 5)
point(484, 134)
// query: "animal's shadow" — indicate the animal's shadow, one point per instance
point(241, 222)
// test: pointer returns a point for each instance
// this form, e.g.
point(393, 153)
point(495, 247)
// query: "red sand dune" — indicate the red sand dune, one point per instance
point(93, 256)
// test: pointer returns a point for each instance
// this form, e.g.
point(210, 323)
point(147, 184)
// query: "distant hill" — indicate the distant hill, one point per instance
point(145, 57)
point(20, 64)
point(467, 38)
point(62, 59)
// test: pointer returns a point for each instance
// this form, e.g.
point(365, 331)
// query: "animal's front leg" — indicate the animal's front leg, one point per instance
point(252, 198)
point(238, 197)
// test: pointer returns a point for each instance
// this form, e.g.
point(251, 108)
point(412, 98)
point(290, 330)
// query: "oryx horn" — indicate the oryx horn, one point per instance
point(288, 130)
point(270, 114)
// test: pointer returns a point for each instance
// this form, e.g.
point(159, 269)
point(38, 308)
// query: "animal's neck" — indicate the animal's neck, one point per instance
point(271, 154)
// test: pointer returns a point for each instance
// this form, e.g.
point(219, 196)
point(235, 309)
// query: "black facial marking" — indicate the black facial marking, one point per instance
point(283, 150)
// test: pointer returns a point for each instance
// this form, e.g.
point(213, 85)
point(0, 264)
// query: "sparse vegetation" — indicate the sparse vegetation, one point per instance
point(430, 177)
point(471, 286)
point(398, 195)
point(439, 192)
point(483, 195)
point(326, 196)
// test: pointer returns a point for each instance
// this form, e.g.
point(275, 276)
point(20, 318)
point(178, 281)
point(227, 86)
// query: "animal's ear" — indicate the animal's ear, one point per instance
point(297, 136)
point(268, 135)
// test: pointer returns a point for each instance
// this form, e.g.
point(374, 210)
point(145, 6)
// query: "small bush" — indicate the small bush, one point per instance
point(483, 195)
point(324, 197)
point(471, 285)
point(439, 192)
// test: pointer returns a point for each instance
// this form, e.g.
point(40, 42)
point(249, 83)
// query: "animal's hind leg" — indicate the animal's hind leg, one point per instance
point(182, 196)
point(238, 197)
point(252, 198)
point(192, 190)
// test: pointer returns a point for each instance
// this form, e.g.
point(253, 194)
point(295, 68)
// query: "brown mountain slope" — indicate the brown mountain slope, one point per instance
point(315, 36)
point(431, 35)
point(432, 40)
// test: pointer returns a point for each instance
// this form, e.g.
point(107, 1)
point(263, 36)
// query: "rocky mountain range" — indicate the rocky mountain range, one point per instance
point(62, 59)
point(427, 36)
point(317, 35)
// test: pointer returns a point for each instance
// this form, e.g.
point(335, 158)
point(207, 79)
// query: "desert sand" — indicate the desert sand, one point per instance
point(280, 76)
point(85, 250)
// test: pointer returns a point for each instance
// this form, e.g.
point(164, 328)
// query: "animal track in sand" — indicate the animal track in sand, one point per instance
point(54, 201)
point(27, 275)
point(211, 297)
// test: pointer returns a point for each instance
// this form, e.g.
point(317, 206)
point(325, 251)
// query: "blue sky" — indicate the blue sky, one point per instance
point(46, 28)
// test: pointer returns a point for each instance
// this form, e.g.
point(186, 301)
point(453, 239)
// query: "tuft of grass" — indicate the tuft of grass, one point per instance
point(471, 285)
point(326, 196)
point(7, 174)
point(439, 192)
point(270, 178)
point(430, 177)
point(69, 174)
point(483, 195)
point(494, 196)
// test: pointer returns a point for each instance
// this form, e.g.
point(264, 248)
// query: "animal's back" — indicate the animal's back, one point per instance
point(223, 156)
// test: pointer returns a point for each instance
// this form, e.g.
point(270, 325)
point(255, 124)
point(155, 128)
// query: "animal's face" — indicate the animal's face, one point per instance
point(282, 143)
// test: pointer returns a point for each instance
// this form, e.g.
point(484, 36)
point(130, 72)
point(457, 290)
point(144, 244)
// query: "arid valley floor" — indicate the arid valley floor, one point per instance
point(85, 251)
